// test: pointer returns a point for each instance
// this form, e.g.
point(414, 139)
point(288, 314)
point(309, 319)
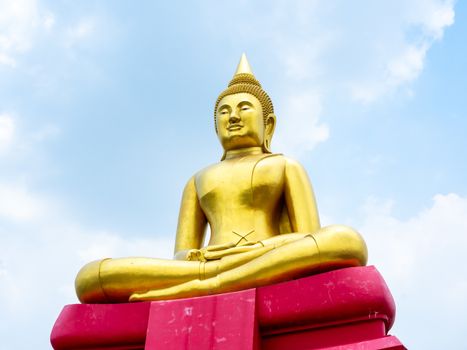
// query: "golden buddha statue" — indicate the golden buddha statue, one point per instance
point(261, 211)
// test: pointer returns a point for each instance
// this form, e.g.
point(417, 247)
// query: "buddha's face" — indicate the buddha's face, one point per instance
point(240, 121)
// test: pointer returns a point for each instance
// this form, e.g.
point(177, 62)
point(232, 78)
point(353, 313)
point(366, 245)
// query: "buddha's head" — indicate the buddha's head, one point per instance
point(244, 114)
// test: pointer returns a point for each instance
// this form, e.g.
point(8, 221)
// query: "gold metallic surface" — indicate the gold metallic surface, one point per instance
point(243, 66)
point(261, 211)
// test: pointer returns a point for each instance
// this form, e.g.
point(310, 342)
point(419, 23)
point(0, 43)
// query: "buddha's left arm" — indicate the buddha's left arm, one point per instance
point(191, 222)
point(300, 199)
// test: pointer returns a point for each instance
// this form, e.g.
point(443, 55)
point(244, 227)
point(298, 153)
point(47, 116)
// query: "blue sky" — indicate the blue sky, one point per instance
point(106, 111)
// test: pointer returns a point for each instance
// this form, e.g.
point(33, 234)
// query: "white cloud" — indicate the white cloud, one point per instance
point(421, 258)
point(433, 16)
point(299, 124)
point(41, 250)
point(302, 59)
point(7, 60)
point(47, 132)
point(41, 245)
point(7, 132)
point(49, 20)
point(383, 46)
point(79, 31)
point(23, 23)
point(396, 49)
point(20, 22)
point(436, 231)
point(17, 204)
point(400, 69)
point(18, 144)
point(106, 244)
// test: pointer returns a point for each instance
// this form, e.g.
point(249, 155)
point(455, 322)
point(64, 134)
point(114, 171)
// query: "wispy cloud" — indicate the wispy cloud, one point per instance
point(22, 143)
point(20, 23)
point(405, 40)
point(81, 30)
point(422, 256)
point(26, 24)
point(42, 244)
point(361, 53)
point(299, 121)
point(42, 247)
point(17, 204)
point(385, 46)
point(7, 132)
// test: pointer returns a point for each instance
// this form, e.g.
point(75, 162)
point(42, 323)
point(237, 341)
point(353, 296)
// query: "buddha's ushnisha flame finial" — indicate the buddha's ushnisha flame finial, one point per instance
point(244, 81)
point(244, 74)
point(243, 66)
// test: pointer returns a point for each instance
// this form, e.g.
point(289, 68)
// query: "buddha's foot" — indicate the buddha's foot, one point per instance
point(194, 288)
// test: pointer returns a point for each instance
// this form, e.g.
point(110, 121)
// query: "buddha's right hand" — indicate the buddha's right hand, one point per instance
point(200, 254)
point(195, 255)
point(216, 252)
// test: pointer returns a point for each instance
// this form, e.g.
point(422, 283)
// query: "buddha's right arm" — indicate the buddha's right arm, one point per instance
point(191, 223)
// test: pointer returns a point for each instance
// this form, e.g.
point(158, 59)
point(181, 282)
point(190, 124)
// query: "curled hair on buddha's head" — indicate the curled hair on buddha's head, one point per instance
point(245, 81)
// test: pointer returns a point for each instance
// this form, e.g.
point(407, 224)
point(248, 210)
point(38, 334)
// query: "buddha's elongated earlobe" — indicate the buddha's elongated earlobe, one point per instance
point(269, 127)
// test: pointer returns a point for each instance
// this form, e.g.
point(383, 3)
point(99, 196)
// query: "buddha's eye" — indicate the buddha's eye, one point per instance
point(223, 112)
point(245, 108)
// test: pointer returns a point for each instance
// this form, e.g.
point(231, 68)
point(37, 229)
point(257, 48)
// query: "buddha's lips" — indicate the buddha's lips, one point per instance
point(235, 127)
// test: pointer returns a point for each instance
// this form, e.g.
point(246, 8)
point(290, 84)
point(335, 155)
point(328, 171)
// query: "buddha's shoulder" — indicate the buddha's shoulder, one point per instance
point(287, 166)
point(276, 160)
point(292, 164)
point(280, 159)
point(209, 169)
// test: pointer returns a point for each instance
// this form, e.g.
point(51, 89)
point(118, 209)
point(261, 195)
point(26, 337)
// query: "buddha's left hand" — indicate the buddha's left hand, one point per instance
point(218, 254)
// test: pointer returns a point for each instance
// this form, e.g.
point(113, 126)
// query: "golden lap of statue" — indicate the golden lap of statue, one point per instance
point(261, 211)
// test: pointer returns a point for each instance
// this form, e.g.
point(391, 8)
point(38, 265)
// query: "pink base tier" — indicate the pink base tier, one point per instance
point(350, 308)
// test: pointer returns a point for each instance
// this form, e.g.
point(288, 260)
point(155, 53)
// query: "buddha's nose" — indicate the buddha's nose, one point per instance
point(234, 118)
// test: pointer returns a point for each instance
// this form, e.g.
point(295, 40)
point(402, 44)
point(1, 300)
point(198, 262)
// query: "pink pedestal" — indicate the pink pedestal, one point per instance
point(344, 309)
